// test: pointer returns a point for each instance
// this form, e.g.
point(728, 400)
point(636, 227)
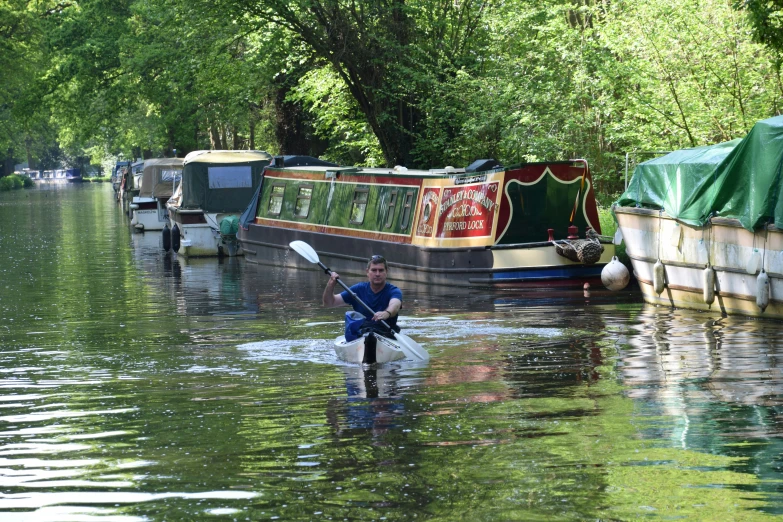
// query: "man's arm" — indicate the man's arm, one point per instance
point(391, 310)
point(331, 299)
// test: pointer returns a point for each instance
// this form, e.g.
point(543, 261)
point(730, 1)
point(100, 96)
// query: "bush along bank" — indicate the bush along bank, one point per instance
point(15, 181)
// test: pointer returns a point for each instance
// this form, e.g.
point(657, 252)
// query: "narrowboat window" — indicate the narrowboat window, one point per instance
point(276, 200)
point(406, 210)
point(359, 205)
point(390, 209)
point(303, 201)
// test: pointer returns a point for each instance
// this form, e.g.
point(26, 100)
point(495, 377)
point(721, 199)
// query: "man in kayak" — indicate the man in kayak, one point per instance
point(384, 298)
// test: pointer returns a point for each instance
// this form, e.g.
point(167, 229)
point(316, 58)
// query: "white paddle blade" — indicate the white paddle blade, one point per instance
point(412, 349)
point(304, 250)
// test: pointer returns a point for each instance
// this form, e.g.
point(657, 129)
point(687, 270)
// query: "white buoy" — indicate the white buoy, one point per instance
point(753, 263)
point(708, 280)
point(658, 277)
point(615, 275)
point(762, 290)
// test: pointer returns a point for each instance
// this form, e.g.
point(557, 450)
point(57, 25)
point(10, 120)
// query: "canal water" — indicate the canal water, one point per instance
point(136, 386)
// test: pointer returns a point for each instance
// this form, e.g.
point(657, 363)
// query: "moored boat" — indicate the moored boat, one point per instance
point(703, 227)
point(73, 175)
point(130, 185)
point(484, 225)
point(204, 210)
point(117, 174)
point(148, 209)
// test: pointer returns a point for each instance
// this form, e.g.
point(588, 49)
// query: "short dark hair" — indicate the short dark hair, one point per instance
point(377, 260)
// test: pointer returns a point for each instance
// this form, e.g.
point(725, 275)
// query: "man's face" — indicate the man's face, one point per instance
point(376, 274)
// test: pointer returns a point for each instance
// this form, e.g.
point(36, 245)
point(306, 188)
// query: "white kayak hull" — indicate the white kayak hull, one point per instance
point(359, 350)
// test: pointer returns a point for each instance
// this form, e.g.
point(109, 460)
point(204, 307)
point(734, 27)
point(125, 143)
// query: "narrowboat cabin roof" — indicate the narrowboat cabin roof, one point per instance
point(396, 171)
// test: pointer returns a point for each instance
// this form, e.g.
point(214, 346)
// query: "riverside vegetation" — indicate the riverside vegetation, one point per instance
point(416, 83)
point(15, 181)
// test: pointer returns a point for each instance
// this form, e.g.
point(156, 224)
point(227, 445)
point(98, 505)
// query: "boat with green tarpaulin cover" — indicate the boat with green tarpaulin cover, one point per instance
point(704, 226)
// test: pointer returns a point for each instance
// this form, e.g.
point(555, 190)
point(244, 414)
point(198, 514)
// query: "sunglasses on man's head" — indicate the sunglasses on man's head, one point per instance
point(377, 259)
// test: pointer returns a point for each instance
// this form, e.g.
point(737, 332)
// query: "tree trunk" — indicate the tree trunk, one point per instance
point(235, 136)
point(28, 141)
point(223, 138)
point(214, 137)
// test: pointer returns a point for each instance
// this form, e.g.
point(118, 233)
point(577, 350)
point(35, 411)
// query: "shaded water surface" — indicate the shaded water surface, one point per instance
point(134, 386)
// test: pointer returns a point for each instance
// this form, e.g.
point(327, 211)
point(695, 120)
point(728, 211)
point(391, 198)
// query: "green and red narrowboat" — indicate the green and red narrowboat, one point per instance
point(483, 225)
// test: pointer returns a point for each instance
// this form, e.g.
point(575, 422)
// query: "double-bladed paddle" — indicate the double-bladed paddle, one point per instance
point(412, 349)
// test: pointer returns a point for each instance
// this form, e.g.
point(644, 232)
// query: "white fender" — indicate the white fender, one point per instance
point(659, 276)
point(615, 275)
point(762, 290)
point(708, 280)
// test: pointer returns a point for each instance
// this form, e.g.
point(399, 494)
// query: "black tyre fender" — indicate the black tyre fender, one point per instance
point(166, 238)
point(175, 238)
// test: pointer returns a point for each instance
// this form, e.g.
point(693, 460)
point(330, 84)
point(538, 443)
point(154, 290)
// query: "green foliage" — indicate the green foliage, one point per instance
point(420, 83)
point(766, 18)
point(336, 117)
point(15, 181)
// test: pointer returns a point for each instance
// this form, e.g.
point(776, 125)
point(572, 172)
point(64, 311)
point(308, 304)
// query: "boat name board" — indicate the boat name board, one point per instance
point(467, 211)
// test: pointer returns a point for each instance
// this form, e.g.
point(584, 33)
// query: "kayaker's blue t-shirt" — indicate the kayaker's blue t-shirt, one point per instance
point(377, 302)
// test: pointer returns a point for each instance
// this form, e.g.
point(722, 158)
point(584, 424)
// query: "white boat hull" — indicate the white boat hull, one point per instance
point(203, 239)
point(685, 251)
point(386, 350)
point(144, 219)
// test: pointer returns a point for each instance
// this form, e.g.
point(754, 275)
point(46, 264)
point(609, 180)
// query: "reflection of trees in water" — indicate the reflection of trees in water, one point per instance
point(717, 382)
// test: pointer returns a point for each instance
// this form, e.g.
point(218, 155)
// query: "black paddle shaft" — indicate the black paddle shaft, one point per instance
point(348, 289)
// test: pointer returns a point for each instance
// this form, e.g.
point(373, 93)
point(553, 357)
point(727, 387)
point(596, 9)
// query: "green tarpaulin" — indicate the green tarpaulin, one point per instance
point(738, 179)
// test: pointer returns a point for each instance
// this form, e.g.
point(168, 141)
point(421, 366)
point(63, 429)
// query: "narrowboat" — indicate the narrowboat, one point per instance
point(204, 210)
point(73, 175)
point(53, 176)
point(484, 225)
point(703, 227)
point(159, 176)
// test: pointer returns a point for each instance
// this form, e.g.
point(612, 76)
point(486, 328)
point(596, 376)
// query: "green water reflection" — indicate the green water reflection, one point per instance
point(134, 386)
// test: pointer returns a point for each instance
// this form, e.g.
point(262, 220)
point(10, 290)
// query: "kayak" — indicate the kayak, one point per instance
point(368, 349)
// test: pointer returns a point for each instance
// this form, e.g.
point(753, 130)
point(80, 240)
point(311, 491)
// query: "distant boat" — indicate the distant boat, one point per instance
point(484, 225)
point(204, 210)
point(51, 176)
point(704, 226)
point(131, 180)
point(117, 174)
point(73, 175)
point(159, 176)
